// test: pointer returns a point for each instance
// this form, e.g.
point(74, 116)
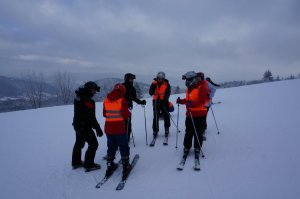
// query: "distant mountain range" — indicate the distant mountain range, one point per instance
point(12, 95)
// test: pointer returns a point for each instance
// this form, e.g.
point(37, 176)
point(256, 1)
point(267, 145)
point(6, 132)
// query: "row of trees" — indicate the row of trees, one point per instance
point(34, 88)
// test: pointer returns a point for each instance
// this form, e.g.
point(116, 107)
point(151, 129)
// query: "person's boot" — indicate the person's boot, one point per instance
point(77, 165)
point(185, 152)
point(111, 166)
point(197, 153)
point(166, 132)
point(92, 167)
point(126, 167)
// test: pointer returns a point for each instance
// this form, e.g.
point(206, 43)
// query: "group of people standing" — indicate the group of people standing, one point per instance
point(117, 107)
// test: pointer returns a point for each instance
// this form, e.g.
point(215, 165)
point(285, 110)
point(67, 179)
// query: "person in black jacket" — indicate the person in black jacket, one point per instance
point(84, 121)
point(160, 89)
point(130, 96)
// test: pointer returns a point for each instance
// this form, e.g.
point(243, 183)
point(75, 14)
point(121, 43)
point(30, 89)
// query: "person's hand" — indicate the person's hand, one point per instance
point(188, 104)
point(178, 100)
point(143, 102)
point(99, 132)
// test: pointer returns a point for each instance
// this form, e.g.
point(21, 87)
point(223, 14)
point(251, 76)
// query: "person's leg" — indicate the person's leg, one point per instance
point(91, 139)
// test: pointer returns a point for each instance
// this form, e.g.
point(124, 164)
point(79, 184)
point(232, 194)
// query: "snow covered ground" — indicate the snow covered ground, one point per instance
point(256, 155)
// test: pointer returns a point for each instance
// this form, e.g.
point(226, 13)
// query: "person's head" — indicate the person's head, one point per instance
point(190, 79)
point(129, 77)
point(160, 76)
point(92, 87)
point(119, 89)
point(200, 76)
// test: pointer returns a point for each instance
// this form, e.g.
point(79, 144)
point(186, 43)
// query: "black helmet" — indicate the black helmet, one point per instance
point(128, 76)
point(92, 85)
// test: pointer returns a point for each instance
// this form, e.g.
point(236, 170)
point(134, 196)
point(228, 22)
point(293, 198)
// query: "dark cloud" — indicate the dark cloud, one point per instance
point(227, 40)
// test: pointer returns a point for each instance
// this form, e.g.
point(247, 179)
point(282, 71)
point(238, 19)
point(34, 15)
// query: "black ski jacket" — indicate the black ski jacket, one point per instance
point(84, 110)
point(130, 94)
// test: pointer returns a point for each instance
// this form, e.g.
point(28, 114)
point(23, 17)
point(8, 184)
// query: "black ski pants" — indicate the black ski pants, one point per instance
point(128, 127)
point(160, 106)
point(85, 135)
point(190, 133)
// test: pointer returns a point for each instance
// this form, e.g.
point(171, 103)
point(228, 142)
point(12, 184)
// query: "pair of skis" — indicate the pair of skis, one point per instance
point(122, 183)
point(152, 144)
point(182, 163)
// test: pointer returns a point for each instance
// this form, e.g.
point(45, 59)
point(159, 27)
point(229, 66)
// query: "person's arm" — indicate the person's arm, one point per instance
point(153, 87)
point(168, 92)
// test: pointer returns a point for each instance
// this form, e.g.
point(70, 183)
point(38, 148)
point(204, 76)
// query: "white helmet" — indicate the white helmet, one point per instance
point(161, 75)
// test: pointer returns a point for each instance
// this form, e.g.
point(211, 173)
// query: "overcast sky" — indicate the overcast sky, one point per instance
point(225, 39)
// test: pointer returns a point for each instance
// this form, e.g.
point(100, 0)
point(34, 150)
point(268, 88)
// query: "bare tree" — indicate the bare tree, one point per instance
point(177, 90)
point(64, 88)
point(33, 88)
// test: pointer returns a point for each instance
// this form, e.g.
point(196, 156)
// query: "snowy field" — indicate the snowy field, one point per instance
point(256, 155)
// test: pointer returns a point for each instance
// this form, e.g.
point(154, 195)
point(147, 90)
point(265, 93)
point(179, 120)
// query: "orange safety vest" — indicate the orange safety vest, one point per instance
point(160, 91)
point(193, 96)
point(113, 110)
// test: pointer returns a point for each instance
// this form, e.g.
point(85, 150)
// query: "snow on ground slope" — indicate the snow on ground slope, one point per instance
point(256, 155)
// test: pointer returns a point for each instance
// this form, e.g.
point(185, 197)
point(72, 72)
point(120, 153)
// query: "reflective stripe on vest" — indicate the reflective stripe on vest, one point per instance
point(113, 110)
point(160, 91)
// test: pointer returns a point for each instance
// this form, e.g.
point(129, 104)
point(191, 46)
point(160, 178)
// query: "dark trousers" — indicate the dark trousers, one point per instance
point(117, 141)
point(160, 106)
point(205, 126)
point(190, 133)
point(128, 127)
point(82, 136)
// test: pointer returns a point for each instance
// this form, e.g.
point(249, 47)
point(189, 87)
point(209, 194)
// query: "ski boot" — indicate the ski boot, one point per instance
point(126, 167)
point(78, 165)
point(167, 132)
point(111, 166)
point(185, 153)
point(93, 167)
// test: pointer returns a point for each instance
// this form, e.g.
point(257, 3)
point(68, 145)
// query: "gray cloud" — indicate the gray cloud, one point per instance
point(228, 40)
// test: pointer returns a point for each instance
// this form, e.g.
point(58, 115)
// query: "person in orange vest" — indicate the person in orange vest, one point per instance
point(196, 101)
point(160, 90)
point(212, 89)
point(115, 110)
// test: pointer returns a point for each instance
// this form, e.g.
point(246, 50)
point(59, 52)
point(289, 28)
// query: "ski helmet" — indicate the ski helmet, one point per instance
point(128, 76)
point(92, 85)
point(161, 75)
point(190, 78)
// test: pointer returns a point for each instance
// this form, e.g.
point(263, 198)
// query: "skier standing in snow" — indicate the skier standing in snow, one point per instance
point(84, 122)
point(130, 96)
point(196, 101)
point(160, 89)
point(115, 110)
point(212, 89)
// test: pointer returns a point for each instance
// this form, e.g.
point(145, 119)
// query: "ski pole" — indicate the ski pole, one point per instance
point(195, 130)
point(215, 119)
point(172, 119)
point(177, 125)
point(145, 125)
point(156, 116)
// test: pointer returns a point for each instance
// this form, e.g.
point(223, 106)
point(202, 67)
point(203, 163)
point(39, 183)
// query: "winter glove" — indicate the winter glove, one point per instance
point(188, 104)
point(99, 132)
point(178, 101)
point(143, 102)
